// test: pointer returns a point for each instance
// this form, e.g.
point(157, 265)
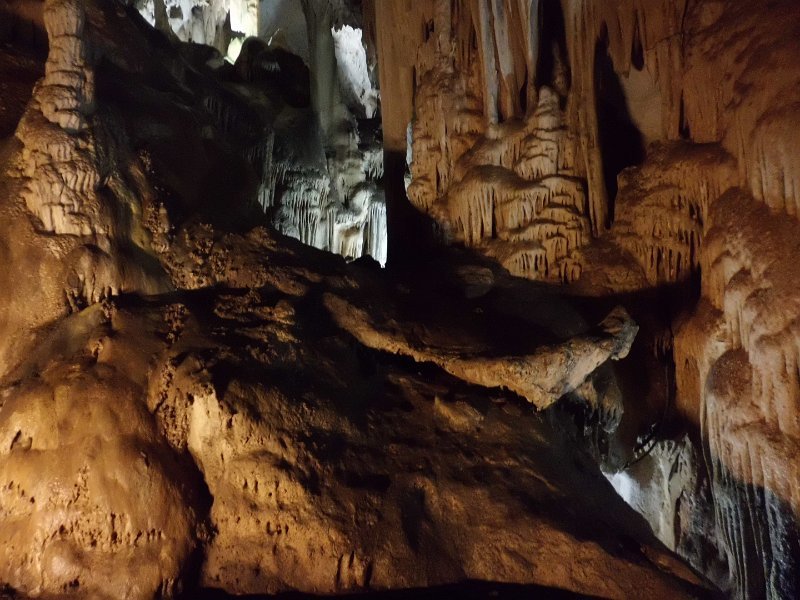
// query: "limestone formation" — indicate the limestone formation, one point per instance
point(187, 406)
point(59, 160)
point(665, 162)
point(495, 158)
point(93, 503)
point(191, 400)
point(541, 378)
point(219, 23)
point(321, 166)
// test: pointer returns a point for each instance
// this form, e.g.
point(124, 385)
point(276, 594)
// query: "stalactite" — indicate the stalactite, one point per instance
point(346, 214)
point(744, 346)
point(260, 156)
point(203, 21)
point(662, 208)
point(700, 87)
point(511, 185)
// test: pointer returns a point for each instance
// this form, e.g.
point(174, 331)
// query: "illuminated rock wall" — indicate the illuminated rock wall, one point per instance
point(547, 133)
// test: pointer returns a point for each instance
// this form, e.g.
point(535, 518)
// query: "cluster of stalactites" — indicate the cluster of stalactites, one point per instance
point(345, 214)
point(260, 156)
point(740, 354)
point(498, 38)
point(502, 44)
point(662, 208)
point(448, 123)
point(701, 91)
point(332, 203)
point(621, 29)
point(360, 228)
point(511, 190)
point(304, 211)
point(211, 22)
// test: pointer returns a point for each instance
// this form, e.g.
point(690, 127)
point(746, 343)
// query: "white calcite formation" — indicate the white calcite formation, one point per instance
point(666, 487)
point(219, 23)
point(320, 176)
point(335, 203)
point(345, 213)
point(354, 72)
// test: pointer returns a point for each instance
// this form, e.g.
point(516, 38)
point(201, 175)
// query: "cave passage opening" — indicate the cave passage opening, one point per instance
point(552, 69)
point(309, 77)
point(621, 143)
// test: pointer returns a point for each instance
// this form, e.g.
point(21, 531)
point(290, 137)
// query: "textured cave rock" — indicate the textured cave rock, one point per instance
point(93, 501)
point(189, 400)
point(633, 147)
point(190, 404)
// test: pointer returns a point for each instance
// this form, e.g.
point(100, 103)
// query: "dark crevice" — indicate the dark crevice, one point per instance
point(637, 49)
point(465, 590)
point(552, 69)
point(621, 142)
point(23, 33)
point(429, 30)
point(684, 130)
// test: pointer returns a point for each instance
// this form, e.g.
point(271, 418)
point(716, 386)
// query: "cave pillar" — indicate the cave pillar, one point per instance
point(399, 32)
point(322, 55)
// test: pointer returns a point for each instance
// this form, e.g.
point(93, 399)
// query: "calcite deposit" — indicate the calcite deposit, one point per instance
point(578, 371)
point(320, 164)
point(638, 148)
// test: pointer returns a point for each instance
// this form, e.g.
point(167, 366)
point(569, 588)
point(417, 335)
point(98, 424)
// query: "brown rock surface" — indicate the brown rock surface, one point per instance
point(190, 400)
point(182, 404)
point(673, 125)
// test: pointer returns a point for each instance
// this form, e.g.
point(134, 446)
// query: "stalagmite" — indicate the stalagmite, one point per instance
point(56, 134)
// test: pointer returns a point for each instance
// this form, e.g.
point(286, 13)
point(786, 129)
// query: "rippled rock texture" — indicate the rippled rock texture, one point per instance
point(189, 400)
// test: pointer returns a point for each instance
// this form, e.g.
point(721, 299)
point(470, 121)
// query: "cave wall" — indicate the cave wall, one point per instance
point(512, 154)
point(189, 399)
point(653, 139)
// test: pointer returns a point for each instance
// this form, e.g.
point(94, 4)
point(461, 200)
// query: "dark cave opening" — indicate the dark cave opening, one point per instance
point(23, 49)
point(23, 31)
point(637, 48)
point(552, 69)
point(621, 142)
point(523, 94)
point(684, 129)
